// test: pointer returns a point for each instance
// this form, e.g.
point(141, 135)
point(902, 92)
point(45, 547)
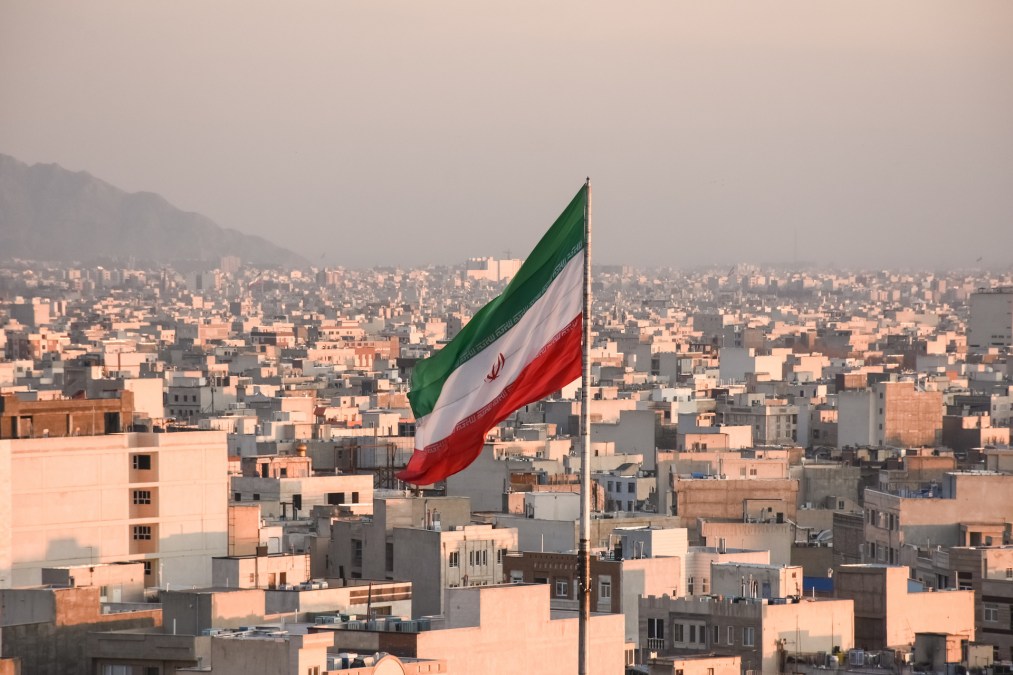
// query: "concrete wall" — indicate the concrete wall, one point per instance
point(424, 558)
point(642, 577)
point(260, 571)
point(288, 654)
point(122, 582)
point(72, 503)
point(854, 418)
point(776, 539)
point(6, 517)
point(887, 614)
point(732, 498)
point(57, 644)
point(735, 579)
point(485, 636)
point(190, 612)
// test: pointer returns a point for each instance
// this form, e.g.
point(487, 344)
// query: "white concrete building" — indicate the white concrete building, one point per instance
point(991, 321)
point(156, 498)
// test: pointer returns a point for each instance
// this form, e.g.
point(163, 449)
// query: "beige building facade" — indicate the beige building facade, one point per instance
point(156, 498)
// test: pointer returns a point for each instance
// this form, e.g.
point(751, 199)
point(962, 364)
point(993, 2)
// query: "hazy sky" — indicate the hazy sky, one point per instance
point(417, 132)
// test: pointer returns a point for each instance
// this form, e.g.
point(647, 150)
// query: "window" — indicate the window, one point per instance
point(691, 584)
point(355, 497)
point(142, 496)
point(500, 555)
point(147, 568)
point(631, 488)
point(747, 636)
point(604, 589)
point(335, 498)
point(390, 556)
point(678, 628)
point(701, 635)
point(731, 635)
point(715, 635)
point(455, 559)
point(991, 613)
point(141, 462)
point(357, 552)
point(656, 628)
point(610, 486)
point(1009, 572)
point(561, 588)
point(238, 496)
point(283, 472)
point(692, 632)
point(142, 532)
point(705, 584)
point(256, 496)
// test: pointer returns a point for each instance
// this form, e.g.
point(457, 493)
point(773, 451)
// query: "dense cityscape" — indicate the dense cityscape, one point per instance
point(794, 470)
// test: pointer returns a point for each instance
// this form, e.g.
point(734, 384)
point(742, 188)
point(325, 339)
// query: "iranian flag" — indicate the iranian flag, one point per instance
point(519, 348)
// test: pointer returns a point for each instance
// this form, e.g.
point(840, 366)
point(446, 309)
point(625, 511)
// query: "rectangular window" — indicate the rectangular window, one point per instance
point(731, 635)
point(747, 636)
point(715, 635)
point(147, 568)
point(631, 488)
point(678, 628)
point(656, 629)
point(142, 532)
point(991, 613)
point(561, 588)
point(485, 558)
point(357, 552)
point(692, 632)
point(237, 497)
point(500, 555)
point(390, 556)
point(141, 462)
point(142, 496)
point(604, 589)
point(455, 559)
point(256, 496)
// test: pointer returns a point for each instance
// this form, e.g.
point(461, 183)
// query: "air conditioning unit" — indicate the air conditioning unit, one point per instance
point(856, 657)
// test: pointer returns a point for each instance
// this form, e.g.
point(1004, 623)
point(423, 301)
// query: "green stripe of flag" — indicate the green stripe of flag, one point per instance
point(561, 243)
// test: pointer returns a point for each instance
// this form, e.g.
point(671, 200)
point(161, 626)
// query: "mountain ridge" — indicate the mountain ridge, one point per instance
point(50, 213)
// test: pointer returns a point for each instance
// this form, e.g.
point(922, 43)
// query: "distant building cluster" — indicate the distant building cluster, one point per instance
point(793, 472)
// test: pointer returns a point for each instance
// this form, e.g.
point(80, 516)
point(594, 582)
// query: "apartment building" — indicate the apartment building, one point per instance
point(157, 498)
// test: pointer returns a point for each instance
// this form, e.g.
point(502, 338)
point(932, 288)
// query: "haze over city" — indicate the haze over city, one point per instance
point(287, 386)
point(857, 134)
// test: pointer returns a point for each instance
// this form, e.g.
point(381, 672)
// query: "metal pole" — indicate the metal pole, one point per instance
point(584, 553)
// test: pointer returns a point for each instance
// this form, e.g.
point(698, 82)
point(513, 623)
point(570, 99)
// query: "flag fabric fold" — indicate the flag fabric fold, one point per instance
point(519, 348)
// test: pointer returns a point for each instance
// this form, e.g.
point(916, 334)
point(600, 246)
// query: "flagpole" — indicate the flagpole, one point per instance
point(584, 552)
